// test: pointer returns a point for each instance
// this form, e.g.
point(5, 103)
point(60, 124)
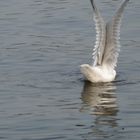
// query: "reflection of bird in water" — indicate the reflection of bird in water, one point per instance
point(100, 97)
point(106, 48)
point(100, 100)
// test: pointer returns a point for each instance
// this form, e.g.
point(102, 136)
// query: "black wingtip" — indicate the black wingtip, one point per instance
point(93, 5)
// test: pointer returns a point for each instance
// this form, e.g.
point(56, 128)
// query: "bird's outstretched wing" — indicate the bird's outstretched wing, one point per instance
point(100, 27)
point(111, 50)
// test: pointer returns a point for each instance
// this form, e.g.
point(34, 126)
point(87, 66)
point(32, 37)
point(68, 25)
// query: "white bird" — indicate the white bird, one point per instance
point(106, 49)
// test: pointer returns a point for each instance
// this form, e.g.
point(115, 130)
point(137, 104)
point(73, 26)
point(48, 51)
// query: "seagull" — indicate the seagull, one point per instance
point(106, 49)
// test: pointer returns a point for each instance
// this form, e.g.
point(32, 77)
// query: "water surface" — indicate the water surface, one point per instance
point(42, 93)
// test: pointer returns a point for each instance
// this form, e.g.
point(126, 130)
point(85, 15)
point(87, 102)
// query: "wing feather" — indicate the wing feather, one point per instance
point(113, 36)
point(100, 35)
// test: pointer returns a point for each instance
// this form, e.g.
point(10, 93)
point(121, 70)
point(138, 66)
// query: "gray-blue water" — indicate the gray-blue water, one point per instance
point(42, 93)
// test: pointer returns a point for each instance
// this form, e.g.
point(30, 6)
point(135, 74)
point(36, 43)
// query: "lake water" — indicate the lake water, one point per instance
point(43, 95)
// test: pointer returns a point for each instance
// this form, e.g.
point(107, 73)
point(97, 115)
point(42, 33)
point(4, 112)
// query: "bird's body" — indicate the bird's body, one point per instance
point(106, 50)
point(98, 74)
